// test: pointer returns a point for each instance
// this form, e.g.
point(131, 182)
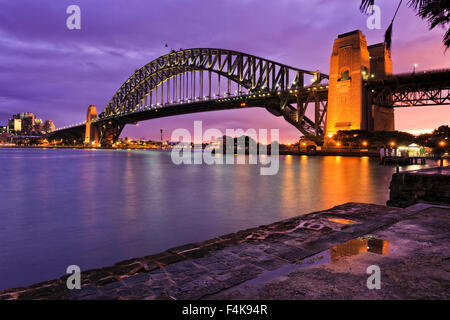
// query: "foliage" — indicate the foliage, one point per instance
point(435, 12)
point(434, 140)
point(356, 138)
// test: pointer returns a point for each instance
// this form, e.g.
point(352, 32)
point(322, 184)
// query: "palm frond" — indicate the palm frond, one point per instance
point(365, 5)
point(418, 3)
point(446, 39)
point(435, 12)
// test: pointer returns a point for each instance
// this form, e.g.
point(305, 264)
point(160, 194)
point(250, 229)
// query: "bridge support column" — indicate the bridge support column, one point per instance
point(349, 103)
point(349, 66)
point(380, 118)
point(91, 131)
point(110, 132)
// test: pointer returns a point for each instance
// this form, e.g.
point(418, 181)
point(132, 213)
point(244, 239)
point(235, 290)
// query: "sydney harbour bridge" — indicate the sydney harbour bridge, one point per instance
point(359, 93)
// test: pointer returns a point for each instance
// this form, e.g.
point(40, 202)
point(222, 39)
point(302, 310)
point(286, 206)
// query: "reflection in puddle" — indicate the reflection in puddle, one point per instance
point(346, 249)
point(358, 245)
point(341, 221)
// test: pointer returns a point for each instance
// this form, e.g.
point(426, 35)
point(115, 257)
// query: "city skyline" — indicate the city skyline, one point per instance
point(61, 72)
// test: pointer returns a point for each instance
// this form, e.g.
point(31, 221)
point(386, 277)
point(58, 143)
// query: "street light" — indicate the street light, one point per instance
point(442, 143)
point(364, 143)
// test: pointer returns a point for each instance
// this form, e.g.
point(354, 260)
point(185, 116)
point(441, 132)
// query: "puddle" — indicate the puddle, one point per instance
point(341, 221)
point(358, 245)
point(332, 255)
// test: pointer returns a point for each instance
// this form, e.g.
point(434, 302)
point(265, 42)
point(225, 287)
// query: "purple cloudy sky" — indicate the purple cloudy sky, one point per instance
point(57, 73)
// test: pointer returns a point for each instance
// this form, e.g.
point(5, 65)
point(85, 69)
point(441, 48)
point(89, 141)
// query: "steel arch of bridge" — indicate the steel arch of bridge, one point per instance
point(248, 71)
point(174, 84)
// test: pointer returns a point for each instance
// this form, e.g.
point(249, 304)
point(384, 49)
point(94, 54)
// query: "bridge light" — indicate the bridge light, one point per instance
point(442, 143)
point(364, 143)
point(338, 143)
point(392, 143)
point(243, 104)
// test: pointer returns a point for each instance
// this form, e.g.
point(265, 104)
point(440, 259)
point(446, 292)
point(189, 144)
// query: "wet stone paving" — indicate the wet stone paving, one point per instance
point(215, 267)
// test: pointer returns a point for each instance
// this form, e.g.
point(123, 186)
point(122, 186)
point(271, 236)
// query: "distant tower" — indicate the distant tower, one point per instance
point(161, 135)
point(91, 134)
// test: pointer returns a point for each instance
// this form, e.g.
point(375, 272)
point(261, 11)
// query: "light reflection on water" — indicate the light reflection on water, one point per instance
point(95, 207)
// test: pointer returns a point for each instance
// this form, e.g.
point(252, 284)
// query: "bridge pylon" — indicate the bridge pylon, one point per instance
point(349, 103)
point(91, 131)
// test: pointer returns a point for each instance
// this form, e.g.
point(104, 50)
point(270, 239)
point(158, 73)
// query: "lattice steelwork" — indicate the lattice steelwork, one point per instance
point(196, 80)
point(191, 75)
point(409, 90)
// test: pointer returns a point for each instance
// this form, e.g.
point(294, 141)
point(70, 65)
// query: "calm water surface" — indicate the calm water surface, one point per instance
point(93, 208)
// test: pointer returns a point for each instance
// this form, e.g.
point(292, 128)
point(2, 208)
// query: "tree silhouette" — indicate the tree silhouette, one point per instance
point(435, 12)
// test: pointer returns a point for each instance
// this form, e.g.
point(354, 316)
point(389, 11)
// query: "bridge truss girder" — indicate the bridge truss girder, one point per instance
point(408, 90)
point(176, 73)
point(295, 103)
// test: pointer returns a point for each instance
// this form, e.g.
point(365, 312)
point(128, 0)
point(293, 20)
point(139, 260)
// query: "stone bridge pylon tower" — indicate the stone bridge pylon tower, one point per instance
point(352, 62)
point(91, 131)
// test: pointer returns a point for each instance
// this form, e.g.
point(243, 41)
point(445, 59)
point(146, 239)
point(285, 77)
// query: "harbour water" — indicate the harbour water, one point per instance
point(93, 208)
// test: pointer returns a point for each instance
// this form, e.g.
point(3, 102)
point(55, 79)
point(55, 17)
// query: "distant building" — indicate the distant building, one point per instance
point(22, 123)
point(25, 123)
point(15, 125)
point(49, 126)
point(38, 126)
point(28, 122)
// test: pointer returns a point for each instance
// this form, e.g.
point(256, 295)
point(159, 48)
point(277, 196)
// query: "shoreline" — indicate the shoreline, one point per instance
point(218, 265)
point(281, 153)
point(318, 153)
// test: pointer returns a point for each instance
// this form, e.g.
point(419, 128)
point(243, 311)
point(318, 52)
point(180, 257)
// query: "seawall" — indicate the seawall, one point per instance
point(201, 270)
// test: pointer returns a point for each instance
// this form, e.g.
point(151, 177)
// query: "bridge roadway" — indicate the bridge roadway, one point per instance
point(279, 103)
point(425, 88)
